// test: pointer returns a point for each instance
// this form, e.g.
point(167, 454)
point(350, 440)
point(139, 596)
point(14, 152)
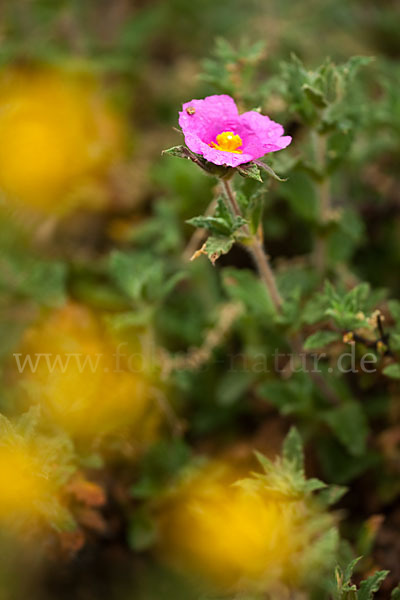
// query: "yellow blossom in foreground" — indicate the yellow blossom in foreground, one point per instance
point(79, 377)
point(240, 536)
point(24, 485)
point(58, 135)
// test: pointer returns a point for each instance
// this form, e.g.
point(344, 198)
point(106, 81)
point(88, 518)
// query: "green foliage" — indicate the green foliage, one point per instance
point(329, 89)
point(230, 66)
point(333, 219)
point(392, 371)
point(251, 171)
point(224, 223)
point(319, 339)
point(26, 275)
point(350, 425)
point(286, 475)
point(348, 591)
point(141, 277)
point(395, 595)
point(243, 285)
point(344, 307)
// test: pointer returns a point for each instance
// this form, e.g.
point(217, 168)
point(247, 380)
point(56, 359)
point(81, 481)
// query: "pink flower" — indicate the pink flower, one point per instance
point(214, 128)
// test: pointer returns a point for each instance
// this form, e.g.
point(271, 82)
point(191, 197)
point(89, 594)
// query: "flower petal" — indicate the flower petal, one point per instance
point(207, 117)
point(261, 135)
point(230, 159)
point(261, 124)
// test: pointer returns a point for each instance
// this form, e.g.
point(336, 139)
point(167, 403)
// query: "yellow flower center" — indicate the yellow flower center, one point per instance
point(228, 142)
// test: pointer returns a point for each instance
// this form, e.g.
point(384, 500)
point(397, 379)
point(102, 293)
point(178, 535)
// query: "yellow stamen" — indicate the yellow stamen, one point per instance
point(228, 142)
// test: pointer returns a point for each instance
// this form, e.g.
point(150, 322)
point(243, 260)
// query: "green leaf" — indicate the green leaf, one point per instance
point(28, 422)
point(395, 341)
point(392, 371)
point(266, 464)
point(323, 550)
point(179, 151)
point(250, 171)
point(319, 339)
point(348, 572)
point(339, 465)
point(356, 298)
point(332, 494)
point(216, 246)
point(293, 450)
point(301, 195)
point(254, 211)
point(291, 397)
point(344, 307)
point(351, 67)
point(184, 152)
point(269, 170)
point(394, 307)
point(313, 485)
point(160, 465)
point(215, 225)
point(223, 223)
point(142, 532)
point(395, 595)
point(28, 276)
point(233, 387)
point(371, 585)
point(315, 96)
point(6, 428)
point(350, 425)
point(244, 286)
point(140, 275)
point(170, 284)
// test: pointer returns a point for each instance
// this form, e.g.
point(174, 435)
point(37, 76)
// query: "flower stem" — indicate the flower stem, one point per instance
point(256, 249)
point(266, 272)
point(232, 200)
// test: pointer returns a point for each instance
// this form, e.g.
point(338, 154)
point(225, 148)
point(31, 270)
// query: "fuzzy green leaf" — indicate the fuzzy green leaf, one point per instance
point(314, 484)
point(395, 595)
point(350, 426)
point(392, 371)
point(179, 151)
point(244, 286)
point(216, 246)
point(371, 585)
point(250, 171)
point(348, 572)
point(319, 339)
point(315, 96)
point(269, 170)
point(215, 225)
point(293, 450)
point(332, 494)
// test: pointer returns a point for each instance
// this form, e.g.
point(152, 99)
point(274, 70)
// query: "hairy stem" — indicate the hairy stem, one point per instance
point(233, 202)
point(266, 272)
point(256, 249)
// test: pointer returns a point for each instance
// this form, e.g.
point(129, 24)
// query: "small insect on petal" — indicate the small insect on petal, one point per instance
point(190, 110)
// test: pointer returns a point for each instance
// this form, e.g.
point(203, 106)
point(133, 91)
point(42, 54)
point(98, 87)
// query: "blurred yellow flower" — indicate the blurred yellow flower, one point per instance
point(235, 535)
point(24, 484)
point(58, 135)
point(75, 370)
